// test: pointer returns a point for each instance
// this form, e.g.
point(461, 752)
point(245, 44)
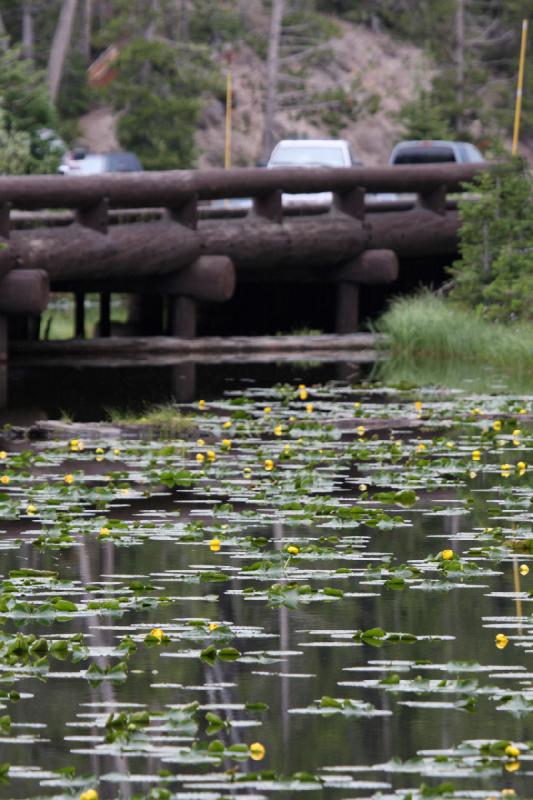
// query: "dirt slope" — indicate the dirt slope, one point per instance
point(379, 64)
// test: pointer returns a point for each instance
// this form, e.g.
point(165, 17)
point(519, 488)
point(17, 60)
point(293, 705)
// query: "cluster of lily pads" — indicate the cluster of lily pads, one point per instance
point(175, 611)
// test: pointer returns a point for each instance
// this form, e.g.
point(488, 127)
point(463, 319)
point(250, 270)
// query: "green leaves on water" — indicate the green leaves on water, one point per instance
point(377, 637)
point(293, 594)
point(210, 654)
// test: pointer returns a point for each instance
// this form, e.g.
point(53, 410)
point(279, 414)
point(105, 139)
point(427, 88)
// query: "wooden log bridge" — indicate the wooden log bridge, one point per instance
point(148, 234)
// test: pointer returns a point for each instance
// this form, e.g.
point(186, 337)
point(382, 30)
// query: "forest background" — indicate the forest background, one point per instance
point(372, 71)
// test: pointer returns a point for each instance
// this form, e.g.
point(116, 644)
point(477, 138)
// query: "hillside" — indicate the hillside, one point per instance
point(386, 73)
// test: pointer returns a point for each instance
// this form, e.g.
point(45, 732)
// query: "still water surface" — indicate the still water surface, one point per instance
point(330, 462)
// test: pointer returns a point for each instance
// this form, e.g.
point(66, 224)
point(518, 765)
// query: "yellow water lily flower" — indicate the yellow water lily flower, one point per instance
point(257, 751)
point(201, 404)
point(523, 569)
point(5, 479)
point(90, 794)
point(309, 408)
point(157, 633)
point(446, 555)
point(512, 751)
point(200, 458)
point(227, 424)
point(293, 550)
point(278, 430)
point(104, 532)
point(3, 455)
point(213, 626)
point(363, 487)
point(360, 430)
point(226, 444)
point(269, 465)
point(31, 510)
point(211, 455)
point(267, 410)
point(501, 641)
point(68, 479)
point(497, 425)
point(214, 545)
point(476, 455)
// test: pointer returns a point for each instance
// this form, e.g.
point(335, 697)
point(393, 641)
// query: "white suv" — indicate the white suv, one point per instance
point(312, 153)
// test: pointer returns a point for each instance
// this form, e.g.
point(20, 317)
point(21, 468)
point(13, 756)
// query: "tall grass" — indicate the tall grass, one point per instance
point(426, 326)
point(165, 419)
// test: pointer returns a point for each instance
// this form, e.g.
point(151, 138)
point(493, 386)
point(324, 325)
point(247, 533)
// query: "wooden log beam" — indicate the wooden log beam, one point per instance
point(371, 268)
point(419, 232)
point(24, 292)
point(78, 252)
point(255, 246)
point(210, 278)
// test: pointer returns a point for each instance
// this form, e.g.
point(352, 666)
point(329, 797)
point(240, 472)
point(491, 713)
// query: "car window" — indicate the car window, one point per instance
point(472, 154)
point(308, 155)
point(123, 162)
point(424, 155)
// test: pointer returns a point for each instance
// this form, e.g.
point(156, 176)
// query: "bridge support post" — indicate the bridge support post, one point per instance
point(79, 323)
point(3, 361)
point(183, 317)
point(347, 317)
point(105, 315)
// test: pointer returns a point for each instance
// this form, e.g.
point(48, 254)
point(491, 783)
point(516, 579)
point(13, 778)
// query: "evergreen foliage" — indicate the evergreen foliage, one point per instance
point(495, 272)
point(160, 84)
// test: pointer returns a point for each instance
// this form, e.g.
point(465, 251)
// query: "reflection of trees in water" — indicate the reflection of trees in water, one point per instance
point(105, 691)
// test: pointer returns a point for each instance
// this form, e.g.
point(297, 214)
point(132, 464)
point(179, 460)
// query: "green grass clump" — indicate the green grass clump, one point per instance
point(166, 419)
point(427, 326)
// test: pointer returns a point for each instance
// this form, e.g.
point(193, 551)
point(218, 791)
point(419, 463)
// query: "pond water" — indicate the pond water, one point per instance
point(319, 590)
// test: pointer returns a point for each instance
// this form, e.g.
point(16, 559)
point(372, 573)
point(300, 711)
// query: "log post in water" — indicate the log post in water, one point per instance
point(183, 317)
point(347, 313)
point(79, 324)
point(104, 324)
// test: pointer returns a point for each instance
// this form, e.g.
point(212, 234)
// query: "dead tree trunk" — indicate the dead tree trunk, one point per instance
point(60, 46)
point(459, 58)
point(276, 21)
point(27, 31)
point(87, 30)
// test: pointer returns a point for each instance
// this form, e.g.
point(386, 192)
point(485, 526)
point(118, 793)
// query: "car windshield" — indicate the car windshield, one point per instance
point(308, 156)
point(424, 155)
point(90, 165)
